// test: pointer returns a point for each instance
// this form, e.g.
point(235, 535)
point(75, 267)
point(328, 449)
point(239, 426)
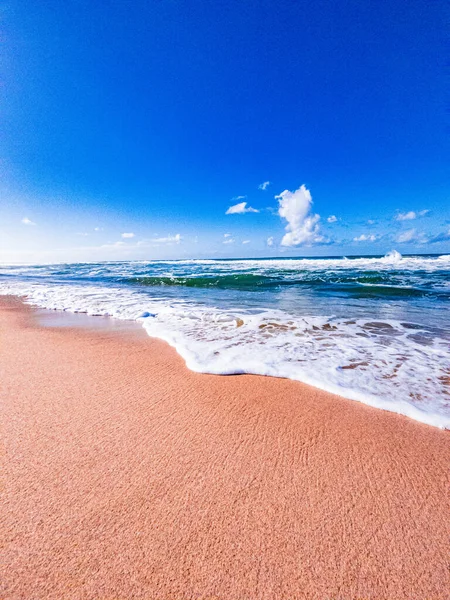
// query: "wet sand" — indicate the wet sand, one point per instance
point(127, 476)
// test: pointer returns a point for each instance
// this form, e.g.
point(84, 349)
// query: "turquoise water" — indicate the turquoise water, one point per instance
point(373, 329)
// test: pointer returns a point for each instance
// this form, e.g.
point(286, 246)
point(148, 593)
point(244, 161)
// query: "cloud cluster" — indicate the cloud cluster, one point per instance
point(412, 236)
point(240, 209)
point(366, 238)
point(411, 215)
point(303, 226)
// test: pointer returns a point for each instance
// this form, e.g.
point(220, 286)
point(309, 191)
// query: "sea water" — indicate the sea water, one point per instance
point(372, 329)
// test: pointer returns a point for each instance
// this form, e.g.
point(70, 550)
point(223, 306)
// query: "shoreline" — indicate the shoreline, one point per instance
point(127, 475)
point(80, 319)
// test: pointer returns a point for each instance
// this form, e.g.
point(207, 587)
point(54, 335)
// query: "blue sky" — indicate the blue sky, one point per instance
point(154, 118)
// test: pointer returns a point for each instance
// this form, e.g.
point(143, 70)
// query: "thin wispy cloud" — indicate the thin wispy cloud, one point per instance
point(411, 215)
point(246, 241)
point(112, 245)
point(440, 237)
point(239, 198)
point(227, 239)
point(264, 185)
point(412, 236)
point(27, 221)
point(303, 226)
point(269, 241)
point(156, 241)
point(407, 236)
point(240, 209)
point(170, 239)
point(128, 235)
point(366, 238)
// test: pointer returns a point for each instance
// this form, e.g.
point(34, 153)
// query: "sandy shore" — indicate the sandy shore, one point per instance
point(127, 476)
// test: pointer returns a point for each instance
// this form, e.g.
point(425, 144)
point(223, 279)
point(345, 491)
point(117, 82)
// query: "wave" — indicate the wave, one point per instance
point(220, 281)
point(360, 285)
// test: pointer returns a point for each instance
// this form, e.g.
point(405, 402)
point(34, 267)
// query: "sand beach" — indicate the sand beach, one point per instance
point(125, 475)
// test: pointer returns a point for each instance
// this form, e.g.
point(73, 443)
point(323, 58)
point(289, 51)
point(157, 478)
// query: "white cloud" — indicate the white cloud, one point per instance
point(98, 228)
point(412, 236)
point(155, 241)
point(227, 239)
point(240, 209)
point(410, 215)
point(332, 219)
point(371, 222)
point(246, 241)
point(366, 238)
point(82, 233)
point(170, 239)
point(406, 236)
point(128, 235)
point(27, 221)
point(269, 241)
point(303, 227)
point(264, 185)
point(239, 198)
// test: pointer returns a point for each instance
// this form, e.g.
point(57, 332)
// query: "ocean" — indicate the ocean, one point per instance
point(372, 329)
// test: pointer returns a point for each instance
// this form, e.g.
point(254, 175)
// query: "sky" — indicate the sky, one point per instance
point(184, 129)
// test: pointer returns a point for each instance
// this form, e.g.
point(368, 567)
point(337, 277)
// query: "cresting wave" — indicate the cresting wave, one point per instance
point(305, 319)
point(375, 284)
